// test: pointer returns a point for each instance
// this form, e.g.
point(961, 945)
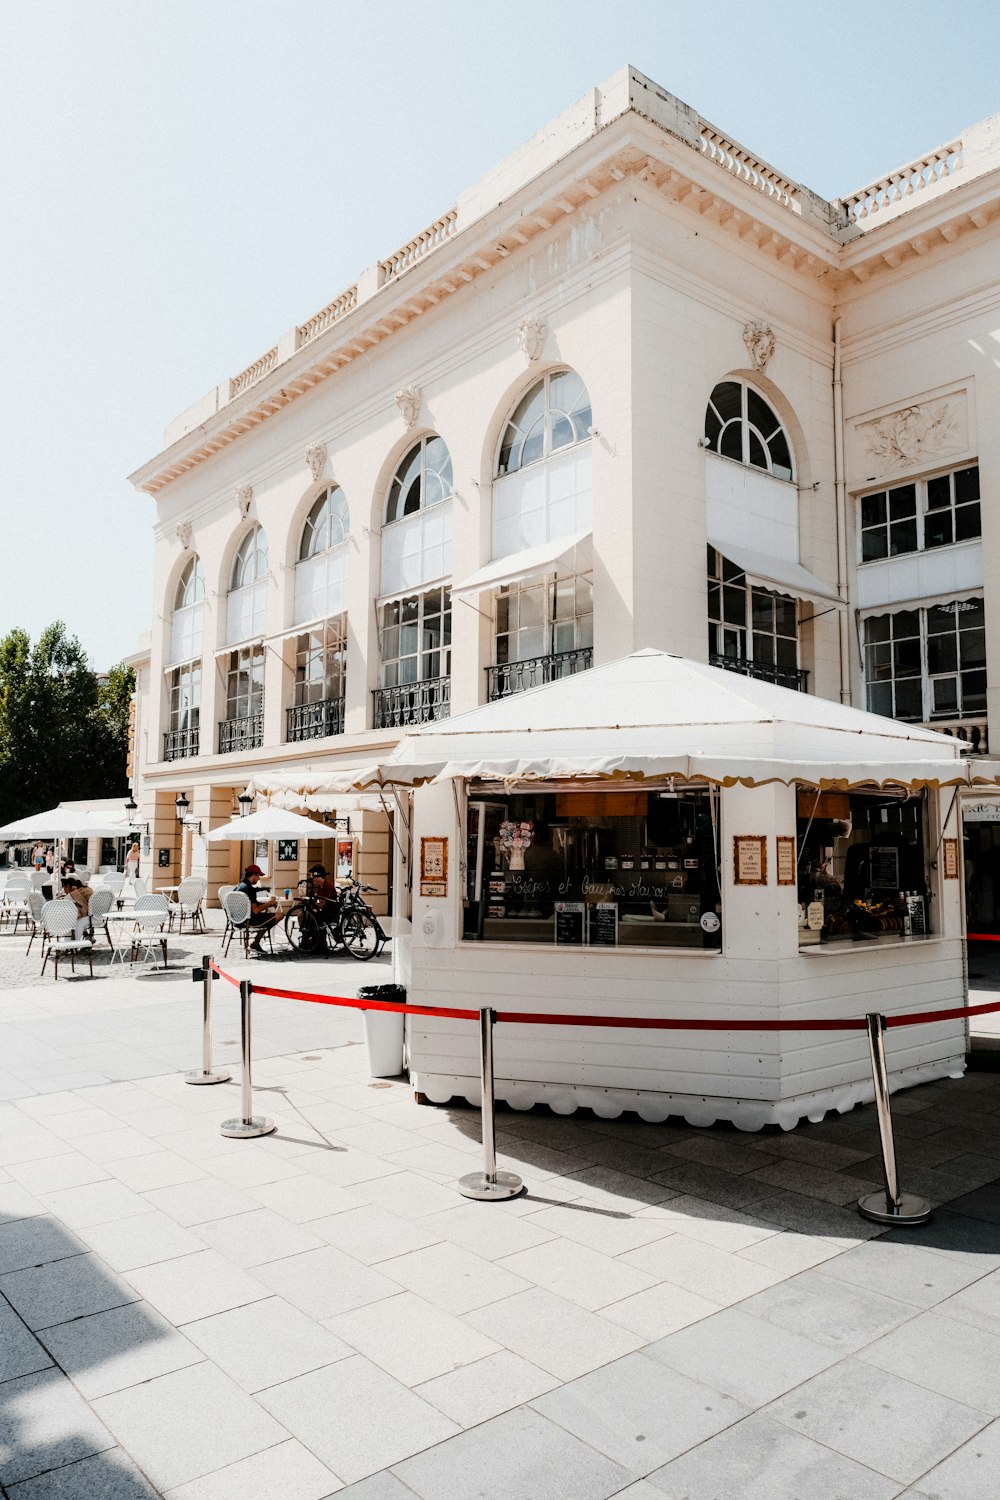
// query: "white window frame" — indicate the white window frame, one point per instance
point(742, 636)
point(387, 663)
point(922, 510)
point(929, 713)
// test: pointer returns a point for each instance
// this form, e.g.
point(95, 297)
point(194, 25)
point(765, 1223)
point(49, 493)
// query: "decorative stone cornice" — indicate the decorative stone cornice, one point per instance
point(408, 400)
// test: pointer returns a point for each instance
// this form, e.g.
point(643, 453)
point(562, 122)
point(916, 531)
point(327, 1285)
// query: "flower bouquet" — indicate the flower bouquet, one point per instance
point(514, 839)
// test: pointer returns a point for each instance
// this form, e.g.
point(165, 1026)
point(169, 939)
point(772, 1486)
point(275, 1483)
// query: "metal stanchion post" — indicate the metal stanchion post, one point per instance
point(207, 1074)
point(890, 1206)
point(248, 1124)
point(489, 1183)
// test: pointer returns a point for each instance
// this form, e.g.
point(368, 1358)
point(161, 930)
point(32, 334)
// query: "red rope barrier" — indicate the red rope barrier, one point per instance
point(631, 1023)
point(983, 937)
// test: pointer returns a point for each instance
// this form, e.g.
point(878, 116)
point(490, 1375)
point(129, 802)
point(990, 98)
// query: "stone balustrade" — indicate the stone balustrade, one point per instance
point(414, 250)
point(327, 316)
point(891, 190)
point(250, 376)
point(741, 163)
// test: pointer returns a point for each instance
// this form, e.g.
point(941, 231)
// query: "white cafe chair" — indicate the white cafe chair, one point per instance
point(237, 908)
point(58, 921)
point(187, 907)
point(102, 903)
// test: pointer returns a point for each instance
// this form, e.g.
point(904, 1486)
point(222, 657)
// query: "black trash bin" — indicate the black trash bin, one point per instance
point(384, 1030)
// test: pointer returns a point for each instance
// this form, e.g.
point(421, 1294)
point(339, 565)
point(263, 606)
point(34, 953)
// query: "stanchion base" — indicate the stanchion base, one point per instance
point(499, 1185)
point(200, 1077)
point(243, 1129)
point(909, 1210)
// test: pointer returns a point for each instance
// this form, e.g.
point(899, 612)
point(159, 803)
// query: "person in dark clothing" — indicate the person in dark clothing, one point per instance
point(263, 913)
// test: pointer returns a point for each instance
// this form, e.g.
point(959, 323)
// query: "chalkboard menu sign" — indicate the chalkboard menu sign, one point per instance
point(569, 922)
point(884, 868)
point(604, 924)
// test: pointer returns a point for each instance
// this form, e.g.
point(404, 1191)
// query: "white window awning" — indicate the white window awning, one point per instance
point(777, 573)
point(570, 552)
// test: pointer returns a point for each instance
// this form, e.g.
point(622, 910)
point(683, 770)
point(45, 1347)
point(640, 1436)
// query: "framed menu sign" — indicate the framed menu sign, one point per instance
point(786, 860)
point(604, 924)
point(950, 858)
point(884, 868)
point(750, 859)
point(569, 922)
point(434, 867)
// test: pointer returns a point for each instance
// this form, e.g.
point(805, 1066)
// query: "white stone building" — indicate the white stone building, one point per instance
point(507, 451)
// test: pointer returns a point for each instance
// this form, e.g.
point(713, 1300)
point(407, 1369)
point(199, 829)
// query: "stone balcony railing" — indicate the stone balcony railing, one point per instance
point(510, 677)
point(892, 190)
point(422, 244)
point(327, 316)
point(178, 744)
point(412, 703)
point(741, 163)
point(250, 376)
point(974, 733)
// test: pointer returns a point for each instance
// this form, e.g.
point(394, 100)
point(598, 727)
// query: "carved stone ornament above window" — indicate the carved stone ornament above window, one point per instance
point(907, 437)
point(184, 533)
point(531, 337)
point(316, 459)
point(244, 495)
point(760, 341)
point(408, 400)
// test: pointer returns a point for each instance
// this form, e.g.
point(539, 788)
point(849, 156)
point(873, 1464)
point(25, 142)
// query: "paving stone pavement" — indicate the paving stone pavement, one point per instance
point(665, 1312)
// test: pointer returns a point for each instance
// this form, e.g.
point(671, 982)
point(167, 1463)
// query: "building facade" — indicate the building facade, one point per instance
point(635, 389)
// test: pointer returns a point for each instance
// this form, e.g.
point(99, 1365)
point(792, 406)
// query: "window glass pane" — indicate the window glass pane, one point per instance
point(759, 414)
point(731, 444)
point(712, 427)
point(784, 615)
point(971, 614)
point(940, 618)
point(756, 452)
point(945, 691)
point(972, 648)
point(902, 537)
point(902, 502)
point(938, 492)
point(873, 509)
point(967, 522)
point(781, 457)
point(763, 649)
point(938, 528)
point(786, 654)
point(874, 544)
point(906, 658)
point(909, 700)
point(907, 622)
point(533, 447)
point(942, 653)
point(762, 609)
point(727, 399)
point(734, 606)
point(973, 692)
point(966, 485)
point(877, 628)
point(880, 698)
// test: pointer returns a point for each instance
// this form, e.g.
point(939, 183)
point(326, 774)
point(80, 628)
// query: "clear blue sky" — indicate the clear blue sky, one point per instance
point(184, 180)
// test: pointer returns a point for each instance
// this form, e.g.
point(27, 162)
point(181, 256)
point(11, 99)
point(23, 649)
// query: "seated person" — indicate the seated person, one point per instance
point(325, 894)
point(263, 913)
point(80, 895)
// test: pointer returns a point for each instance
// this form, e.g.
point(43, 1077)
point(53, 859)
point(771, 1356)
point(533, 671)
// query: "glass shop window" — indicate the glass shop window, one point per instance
point(594, 869)
point(862, 866)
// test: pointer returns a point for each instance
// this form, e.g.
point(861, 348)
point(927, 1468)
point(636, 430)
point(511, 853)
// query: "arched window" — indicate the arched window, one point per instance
point(246, 611)
point(740, 424)
point(554, 414)
point(186, 619)
point(321, 571)
point(422, 479)
point(416, 537)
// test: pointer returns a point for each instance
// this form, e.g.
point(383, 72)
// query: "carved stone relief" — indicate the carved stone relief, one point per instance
point(184, 533)
point(244, 495)
point(408, 401)
point(530, 337)
point(906, 438)
point(760, 341)
point(316, 459)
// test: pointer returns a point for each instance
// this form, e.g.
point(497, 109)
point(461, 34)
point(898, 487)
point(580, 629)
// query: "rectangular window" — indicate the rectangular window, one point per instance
point(245, 683)
point(750, 629)
point(543, 616)
point(320, 666)
point(184, 695)
point(934, 512)
point(416, 638)
point(927, 664)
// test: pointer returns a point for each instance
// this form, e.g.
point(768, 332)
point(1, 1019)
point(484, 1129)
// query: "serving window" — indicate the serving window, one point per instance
point(594, 868)
point(861, 865)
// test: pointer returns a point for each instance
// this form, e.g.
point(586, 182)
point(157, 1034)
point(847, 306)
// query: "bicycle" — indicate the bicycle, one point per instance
point(350, 925)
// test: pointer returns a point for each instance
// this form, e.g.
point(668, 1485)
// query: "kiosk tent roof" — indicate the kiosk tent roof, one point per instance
point(653, 715)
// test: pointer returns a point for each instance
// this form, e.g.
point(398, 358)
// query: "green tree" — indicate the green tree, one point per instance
point(63, 730)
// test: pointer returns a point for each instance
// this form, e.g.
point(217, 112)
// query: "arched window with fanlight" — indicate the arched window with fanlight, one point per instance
point(246, 604)
point(414, 607)
point(543, 485)
point(741, 425)
point(183, 678)
point(321, 608)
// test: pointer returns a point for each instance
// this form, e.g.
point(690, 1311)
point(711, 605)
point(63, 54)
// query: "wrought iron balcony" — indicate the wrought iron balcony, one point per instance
point(241, 734)
point(178, 744)
point(412, 703)
point(761, 671)
point(514, 676)
point(313, 721)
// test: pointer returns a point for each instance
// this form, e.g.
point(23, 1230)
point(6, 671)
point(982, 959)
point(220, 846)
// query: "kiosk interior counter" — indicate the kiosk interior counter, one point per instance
point(591, 868)
point(862, 864)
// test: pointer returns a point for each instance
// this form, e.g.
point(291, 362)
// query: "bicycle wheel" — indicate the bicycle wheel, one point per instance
point(361, 935)
point(304, 931)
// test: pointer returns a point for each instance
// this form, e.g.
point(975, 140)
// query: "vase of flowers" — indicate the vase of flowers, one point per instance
point(514, 839)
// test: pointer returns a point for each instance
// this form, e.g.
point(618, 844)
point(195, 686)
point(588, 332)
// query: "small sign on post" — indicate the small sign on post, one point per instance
point(434, 866)
point(750, 859)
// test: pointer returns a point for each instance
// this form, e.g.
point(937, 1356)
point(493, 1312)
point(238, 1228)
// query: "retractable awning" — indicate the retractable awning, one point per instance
point(574, 552)
point(778, 573)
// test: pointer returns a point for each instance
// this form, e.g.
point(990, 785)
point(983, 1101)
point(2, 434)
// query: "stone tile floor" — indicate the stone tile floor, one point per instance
point(666, 1312)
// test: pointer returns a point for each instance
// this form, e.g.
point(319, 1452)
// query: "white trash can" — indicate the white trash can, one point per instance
point(384, 1031)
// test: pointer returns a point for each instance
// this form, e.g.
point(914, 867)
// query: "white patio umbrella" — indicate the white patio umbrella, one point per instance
point(63, 823)
point(269, 823)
